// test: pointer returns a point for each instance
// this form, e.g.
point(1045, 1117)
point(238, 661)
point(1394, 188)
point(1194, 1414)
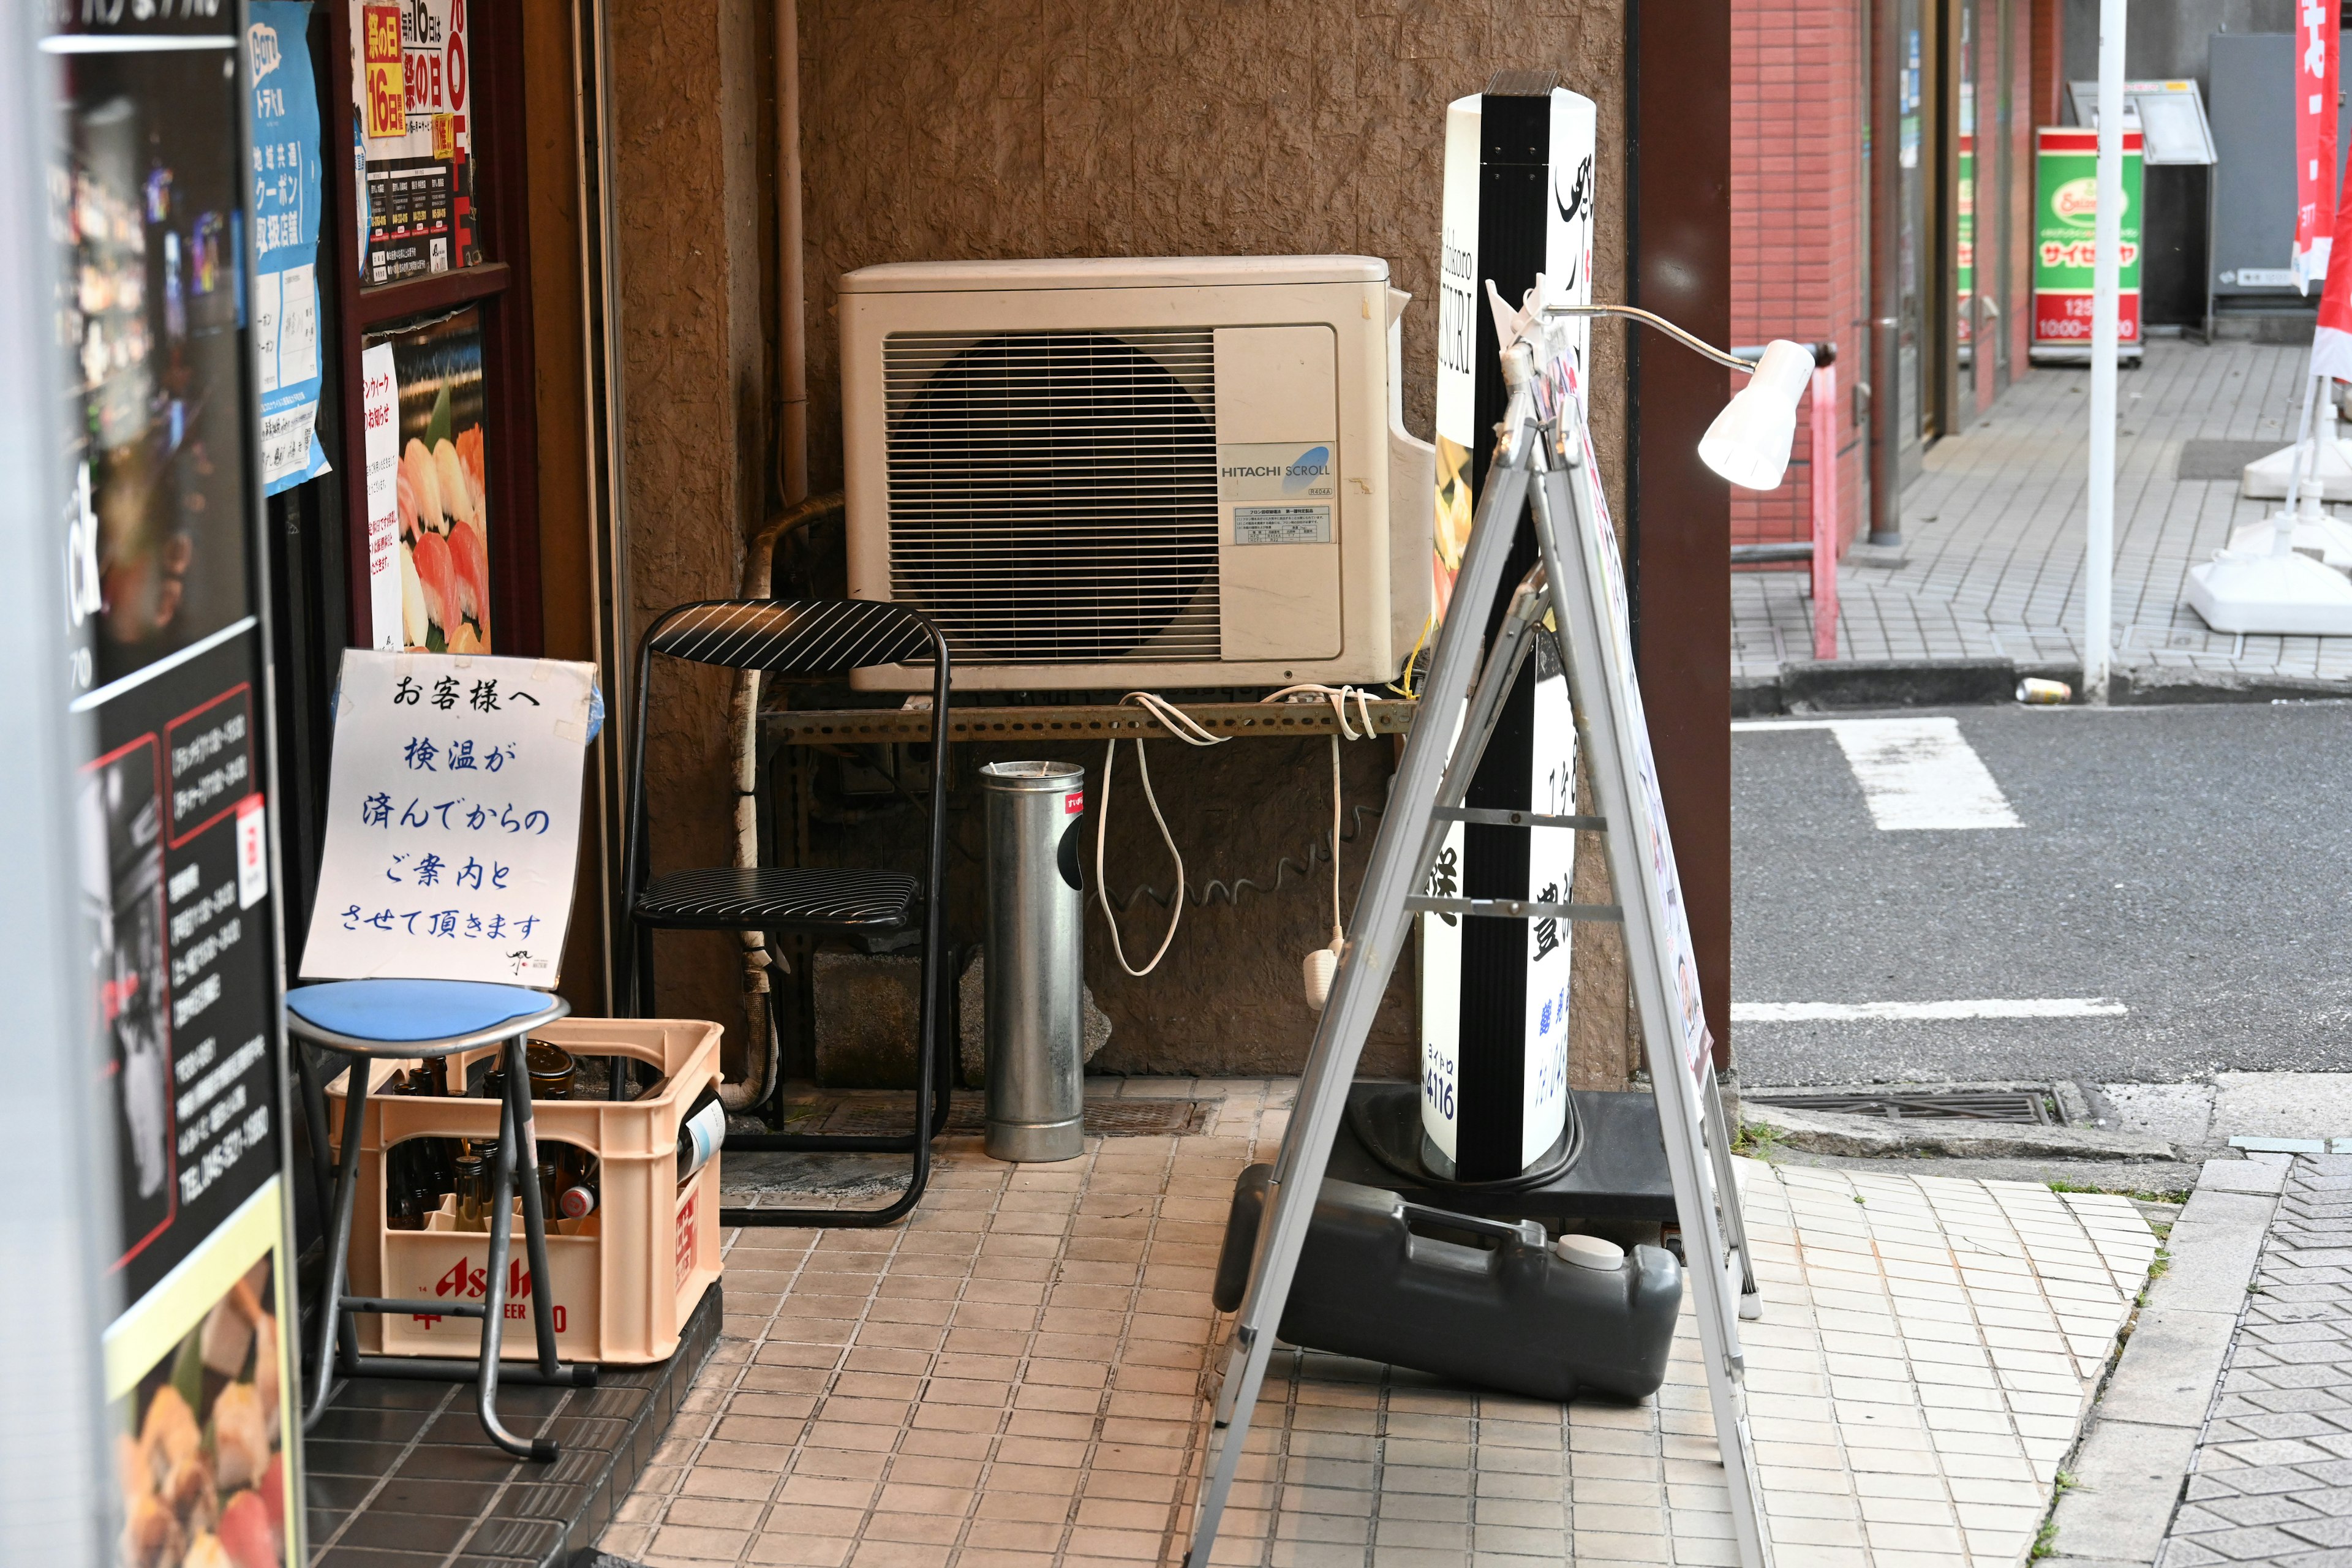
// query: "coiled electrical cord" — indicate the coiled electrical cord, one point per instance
point(1208, 892)
point(1180, 724)
point(1321, 965)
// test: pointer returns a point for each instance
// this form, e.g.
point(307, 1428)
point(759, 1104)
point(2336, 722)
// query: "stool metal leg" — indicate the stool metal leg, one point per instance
point(314, 1112)
point(494, 1302)
point(534, 1209)
point(335, 1324)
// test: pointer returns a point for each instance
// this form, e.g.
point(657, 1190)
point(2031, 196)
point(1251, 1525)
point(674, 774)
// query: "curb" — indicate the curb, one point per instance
point(2134, 1456)
point(1829, 1132)
point(1809, 685)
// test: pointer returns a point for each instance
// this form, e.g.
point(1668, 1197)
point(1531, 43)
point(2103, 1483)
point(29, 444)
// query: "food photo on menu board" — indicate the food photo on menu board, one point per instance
point(200, 1449)
point(439, 489)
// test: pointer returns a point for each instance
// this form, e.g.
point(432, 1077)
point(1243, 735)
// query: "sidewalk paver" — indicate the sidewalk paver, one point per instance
point(1993, 531)
point(2271, 1479)
point(1017, 1375)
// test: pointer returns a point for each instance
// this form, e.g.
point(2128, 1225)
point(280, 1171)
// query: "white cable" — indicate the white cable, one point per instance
point(1181, 725)
point(1322, 963)
point(1338, 696)
point(1321, 966)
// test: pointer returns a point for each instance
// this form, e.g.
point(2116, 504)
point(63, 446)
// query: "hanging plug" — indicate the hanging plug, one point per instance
point(1321, 968)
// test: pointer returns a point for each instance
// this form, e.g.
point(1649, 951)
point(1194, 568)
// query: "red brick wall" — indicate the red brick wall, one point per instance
point(1799, 252)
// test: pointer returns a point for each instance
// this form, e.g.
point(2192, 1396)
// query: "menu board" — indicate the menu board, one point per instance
point(412, 132)
point(160, 603)
point(2067, 196)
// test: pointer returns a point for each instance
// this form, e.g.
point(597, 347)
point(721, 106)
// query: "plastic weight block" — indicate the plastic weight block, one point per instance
point(1486, 1301)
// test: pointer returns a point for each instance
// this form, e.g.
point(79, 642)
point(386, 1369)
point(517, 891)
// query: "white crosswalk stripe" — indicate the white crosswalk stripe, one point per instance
point(1979, 1008)
point(1915, 774)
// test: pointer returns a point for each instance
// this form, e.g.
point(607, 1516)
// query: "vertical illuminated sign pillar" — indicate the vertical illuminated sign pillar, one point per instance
point(1494, 993)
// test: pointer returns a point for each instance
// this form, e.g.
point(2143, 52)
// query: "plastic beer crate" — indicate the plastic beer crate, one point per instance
point(627, 1277)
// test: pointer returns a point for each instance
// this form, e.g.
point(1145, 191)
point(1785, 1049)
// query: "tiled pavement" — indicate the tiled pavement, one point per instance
point(1993, 556)
point(2272, 1481)
point(1015, 1376)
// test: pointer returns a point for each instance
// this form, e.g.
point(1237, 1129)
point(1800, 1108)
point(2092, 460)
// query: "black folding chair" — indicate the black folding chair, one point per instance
point(809, 637)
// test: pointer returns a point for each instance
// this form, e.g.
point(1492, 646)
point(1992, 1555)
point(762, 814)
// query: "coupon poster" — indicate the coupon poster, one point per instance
point(412, 77)
point(287, 177)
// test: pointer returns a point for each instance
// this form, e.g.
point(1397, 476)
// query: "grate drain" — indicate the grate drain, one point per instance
point(2026, 1106)
point(968, 1114)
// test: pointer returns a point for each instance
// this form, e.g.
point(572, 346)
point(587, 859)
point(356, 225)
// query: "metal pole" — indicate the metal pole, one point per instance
point(2099, 543)
point(2307, 440)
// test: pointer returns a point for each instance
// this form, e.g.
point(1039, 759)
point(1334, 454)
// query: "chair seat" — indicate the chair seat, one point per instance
point(735, 898)
point(416, 1015)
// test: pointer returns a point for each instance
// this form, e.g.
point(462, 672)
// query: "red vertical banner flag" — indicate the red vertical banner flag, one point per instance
point(2331, 344)
point(2315, 140)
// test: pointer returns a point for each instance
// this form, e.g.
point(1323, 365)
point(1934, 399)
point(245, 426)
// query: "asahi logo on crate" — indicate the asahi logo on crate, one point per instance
point(469, 1280)
point(685, 1261)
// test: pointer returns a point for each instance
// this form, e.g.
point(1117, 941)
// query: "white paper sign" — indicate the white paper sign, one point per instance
point(453, 818)
point(380, 389)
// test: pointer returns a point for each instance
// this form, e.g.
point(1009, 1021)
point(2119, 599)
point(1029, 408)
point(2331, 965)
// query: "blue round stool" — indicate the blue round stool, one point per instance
point(364, 1021)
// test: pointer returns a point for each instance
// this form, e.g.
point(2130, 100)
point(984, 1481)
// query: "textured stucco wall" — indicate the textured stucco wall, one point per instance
point(1013, 129)
point(1004, 129)
point(691, 137)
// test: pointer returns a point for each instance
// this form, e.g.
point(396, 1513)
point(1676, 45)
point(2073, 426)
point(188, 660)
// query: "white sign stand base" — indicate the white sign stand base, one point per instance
point(2285, 592)
point(1546, 470)
point(2267, 478)
point(2325, 539)
point(2271, 594)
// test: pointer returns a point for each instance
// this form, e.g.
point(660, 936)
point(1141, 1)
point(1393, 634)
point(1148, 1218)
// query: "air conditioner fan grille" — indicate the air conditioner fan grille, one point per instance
point(1054, 495)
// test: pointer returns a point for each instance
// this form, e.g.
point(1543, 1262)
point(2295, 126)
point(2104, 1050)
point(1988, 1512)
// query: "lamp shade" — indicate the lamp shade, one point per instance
point(1748, 442)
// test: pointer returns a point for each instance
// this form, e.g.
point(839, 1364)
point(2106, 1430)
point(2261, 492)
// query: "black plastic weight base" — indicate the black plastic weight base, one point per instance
point(1619, 1172)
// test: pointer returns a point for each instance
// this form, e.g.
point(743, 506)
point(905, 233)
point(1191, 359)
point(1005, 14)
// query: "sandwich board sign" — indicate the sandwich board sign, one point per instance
point(1546, 468)
point(2066, 209)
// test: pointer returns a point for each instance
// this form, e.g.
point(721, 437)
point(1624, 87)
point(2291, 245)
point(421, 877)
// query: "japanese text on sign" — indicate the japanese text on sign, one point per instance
point(453, 822)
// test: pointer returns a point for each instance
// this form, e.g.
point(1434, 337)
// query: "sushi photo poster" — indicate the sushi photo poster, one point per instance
point(430, 418)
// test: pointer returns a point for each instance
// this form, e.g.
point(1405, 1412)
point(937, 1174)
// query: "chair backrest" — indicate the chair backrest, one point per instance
point(788, 636)
point(795, 636)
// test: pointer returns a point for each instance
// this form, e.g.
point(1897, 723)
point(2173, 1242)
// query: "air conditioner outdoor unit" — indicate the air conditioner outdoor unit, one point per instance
point(1162, 473)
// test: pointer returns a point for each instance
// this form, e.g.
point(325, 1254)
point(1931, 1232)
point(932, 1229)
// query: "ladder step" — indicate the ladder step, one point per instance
point(1515, 910)
point(1492, 817)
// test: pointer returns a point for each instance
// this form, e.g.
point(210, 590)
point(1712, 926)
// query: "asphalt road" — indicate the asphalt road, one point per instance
point(2194, 863)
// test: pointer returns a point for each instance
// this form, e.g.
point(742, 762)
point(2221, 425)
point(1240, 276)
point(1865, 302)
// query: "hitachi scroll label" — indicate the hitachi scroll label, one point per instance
point(1282, 524)
point(1289, 472)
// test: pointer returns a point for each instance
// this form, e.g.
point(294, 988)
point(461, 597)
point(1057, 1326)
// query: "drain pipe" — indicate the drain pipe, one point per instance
point(792, 278)
point(758, 560)
point(744, 721)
